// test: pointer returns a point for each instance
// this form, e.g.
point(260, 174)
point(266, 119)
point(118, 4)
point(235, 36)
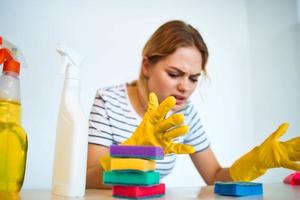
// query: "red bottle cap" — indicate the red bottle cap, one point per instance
point(11, 66)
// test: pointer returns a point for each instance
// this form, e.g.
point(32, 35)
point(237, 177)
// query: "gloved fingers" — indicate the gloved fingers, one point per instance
point(280, 131)
point(293, 143)
point(105, 162)
point(176, 132)
point(291, 165)
point(179, 149)
point(294, 155)
point(152, 102)
point(173, 120)
point(163, 108)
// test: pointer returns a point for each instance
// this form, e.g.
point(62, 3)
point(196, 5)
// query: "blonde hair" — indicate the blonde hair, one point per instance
point(165, 41)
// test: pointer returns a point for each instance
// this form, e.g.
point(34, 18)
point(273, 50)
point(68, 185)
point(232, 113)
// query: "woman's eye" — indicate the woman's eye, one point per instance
point(173, 74)
point(194, 80)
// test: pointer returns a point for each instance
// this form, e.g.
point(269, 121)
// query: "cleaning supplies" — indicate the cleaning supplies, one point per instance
point(292, 179)
point(131, 178)
point(5, 53)
point(132, 172)
point(138, 192)
point(146, 152)
point(69, 170)
point(15, 52)
point(132, 164)
point(238, 188)
point(13, 139)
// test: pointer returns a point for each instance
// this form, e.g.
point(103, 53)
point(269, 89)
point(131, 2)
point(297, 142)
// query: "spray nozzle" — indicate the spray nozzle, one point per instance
point(11, 51)
point(5, 55)
point(71, 61)
point(70, 55)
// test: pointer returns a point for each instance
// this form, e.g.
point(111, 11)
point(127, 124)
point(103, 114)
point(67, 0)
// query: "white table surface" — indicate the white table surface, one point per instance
point(271, 191)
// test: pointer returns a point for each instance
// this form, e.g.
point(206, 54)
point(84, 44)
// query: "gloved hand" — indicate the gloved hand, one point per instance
point(270, 154)
point(155, 130)
point(105, 162)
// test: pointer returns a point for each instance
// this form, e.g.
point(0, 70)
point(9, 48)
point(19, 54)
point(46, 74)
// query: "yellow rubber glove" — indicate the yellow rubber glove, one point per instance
point(155, 130)
point(270, 154)
point(105, 162)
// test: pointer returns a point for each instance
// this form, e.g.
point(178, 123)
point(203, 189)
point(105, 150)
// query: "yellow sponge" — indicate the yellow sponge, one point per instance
point(132, 164)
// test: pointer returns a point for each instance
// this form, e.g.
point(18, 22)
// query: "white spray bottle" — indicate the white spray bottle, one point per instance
point(69, 170)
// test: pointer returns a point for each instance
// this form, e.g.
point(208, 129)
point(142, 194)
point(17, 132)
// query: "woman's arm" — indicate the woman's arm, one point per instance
point(209, 168)
point(94, 169)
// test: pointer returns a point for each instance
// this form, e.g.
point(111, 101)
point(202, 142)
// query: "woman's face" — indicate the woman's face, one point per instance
point(176, 75)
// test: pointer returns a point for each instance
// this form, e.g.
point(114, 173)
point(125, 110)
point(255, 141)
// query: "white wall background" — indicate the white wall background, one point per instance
point(254, 67)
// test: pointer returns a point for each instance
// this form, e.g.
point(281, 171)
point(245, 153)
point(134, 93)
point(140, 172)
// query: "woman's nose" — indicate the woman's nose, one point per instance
point(183, 85)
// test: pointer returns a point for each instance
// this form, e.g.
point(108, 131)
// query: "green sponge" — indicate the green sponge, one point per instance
point(131, 178)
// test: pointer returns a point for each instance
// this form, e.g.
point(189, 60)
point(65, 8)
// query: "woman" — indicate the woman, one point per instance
point(173, 60)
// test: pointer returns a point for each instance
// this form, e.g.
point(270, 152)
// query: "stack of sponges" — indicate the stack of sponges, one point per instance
point(133, 172)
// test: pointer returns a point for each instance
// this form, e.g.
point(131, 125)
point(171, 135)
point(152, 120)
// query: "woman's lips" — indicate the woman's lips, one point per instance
point(179, 99)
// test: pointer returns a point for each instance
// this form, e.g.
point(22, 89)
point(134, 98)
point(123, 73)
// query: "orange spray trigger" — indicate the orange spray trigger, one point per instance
point(5, 55)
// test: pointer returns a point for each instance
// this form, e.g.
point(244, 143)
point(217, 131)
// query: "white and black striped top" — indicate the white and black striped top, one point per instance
point(113, 120)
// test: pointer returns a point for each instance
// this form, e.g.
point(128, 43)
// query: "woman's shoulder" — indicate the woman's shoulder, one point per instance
point(112, 92)
point(116, 93)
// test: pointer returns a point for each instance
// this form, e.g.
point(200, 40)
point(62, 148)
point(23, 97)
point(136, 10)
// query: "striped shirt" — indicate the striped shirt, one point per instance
point(113, 120)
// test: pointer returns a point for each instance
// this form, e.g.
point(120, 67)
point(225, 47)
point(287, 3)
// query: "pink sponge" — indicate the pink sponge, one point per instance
point(138, 192)
point(293, 179)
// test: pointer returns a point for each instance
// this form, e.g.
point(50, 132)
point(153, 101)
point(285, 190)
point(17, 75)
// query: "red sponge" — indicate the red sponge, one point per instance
point(293, 179)
point(138, 192)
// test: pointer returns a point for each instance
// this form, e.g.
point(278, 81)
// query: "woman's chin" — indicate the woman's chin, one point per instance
point(178, 107)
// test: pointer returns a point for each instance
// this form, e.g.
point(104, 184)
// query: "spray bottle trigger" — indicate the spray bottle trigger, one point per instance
point(73, 57)
point(70, 62)
point(16, 52)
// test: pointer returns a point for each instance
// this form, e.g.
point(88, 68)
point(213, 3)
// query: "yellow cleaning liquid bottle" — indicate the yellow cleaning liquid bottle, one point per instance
point(13, 139)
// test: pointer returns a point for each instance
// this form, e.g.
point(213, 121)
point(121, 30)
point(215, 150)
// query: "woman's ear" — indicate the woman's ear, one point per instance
point(145, 66)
